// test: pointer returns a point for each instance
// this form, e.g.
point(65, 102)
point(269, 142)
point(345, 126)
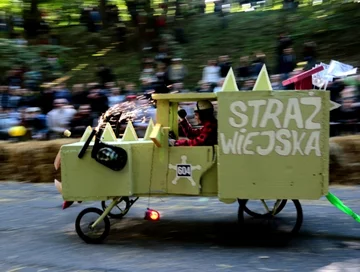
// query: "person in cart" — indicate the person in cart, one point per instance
point(204, 136)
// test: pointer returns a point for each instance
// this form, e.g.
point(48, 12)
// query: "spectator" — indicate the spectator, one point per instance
point(81, 120)
point(211, 73)
point(176, 71)
point(58, 119)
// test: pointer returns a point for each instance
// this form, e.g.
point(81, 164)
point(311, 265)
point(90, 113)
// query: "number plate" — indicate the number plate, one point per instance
point(183, 170)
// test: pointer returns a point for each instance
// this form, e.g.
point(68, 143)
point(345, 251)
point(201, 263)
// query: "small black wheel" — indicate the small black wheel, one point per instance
point(121, 208)
point(84, 230)
point(255, 214)
point(291, 229)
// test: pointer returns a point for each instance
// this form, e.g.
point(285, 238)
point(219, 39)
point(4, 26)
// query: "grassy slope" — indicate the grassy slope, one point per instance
point(334, 29)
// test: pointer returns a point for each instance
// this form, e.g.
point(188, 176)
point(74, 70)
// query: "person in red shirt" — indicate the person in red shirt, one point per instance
point(206, 135)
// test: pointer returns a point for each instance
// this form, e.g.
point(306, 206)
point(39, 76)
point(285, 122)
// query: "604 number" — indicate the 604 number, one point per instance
point(183, 170)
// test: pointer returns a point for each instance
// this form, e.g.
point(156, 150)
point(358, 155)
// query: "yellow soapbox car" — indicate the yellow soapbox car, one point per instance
point(272, 145)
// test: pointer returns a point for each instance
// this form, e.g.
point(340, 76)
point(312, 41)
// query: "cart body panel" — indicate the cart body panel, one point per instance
point(273, 145)
point(147, 168)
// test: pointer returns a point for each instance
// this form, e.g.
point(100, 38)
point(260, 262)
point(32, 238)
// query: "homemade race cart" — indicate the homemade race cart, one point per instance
point(271, 146)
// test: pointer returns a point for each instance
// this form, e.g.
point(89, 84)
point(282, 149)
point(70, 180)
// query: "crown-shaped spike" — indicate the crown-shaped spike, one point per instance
point(230, 82)
point(263, 82)
point(149, 130)
point(86, 135)
point(130, 133)
point(108, 134)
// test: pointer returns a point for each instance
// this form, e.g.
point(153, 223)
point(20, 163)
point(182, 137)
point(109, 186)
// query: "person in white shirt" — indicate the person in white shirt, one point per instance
point(58, 119)
point(211, 73)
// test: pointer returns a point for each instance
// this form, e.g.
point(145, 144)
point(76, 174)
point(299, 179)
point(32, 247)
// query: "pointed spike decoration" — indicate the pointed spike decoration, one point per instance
point(230, 82)
point(149, 130)
point(334, 105)
point(263, 82)
point(108, 134)
point(86, 135)
point(130, 133)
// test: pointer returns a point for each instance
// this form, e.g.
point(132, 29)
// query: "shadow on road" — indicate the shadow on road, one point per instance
point(187, 232)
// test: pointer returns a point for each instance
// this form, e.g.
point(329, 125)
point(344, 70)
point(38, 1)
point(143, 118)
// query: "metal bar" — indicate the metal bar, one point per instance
point(276, 206)
point(106, 212)
point(87, 143)
point(265, 205)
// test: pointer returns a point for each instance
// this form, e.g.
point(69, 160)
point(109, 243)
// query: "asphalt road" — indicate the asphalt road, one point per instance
point(195, 234)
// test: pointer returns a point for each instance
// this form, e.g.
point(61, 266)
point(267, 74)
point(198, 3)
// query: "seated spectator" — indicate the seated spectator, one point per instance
point(218, 88)
point(79, 95)
point(211, 73)
point(35, 122)
point(58, 119)
point(115, 97)
point(176, 71)
point(243, 70)
point(276, 82)
point(81, 120)
point(225, 65)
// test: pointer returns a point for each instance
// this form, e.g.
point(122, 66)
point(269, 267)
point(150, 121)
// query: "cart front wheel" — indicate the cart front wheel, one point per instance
point(84, 222)
point(120, 210)
point(289, 221)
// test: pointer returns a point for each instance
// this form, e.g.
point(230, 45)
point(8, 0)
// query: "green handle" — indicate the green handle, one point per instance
point(341, 206)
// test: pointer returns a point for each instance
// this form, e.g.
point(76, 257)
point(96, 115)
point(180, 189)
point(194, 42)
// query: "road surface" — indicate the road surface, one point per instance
point(195, 234)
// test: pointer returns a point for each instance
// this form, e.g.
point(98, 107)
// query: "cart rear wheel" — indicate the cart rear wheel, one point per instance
point(121, 208)
point(253, 213)
point(284, 223)
point(83, 226)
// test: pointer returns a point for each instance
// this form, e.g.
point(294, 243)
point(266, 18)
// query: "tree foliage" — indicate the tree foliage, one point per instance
point(32, 57)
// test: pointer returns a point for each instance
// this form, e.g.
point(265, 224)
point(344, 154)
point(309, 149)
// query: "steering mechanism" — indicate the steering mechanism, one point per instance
point(172, 137)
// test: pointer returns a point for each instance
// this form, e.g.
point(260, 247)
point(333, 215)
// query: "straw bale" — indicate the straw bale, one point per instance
point(345, 160)
point(30, 161)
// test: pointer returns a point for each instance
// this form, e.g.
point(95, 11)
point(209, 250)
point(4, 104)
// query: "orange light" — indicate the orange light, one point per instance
point(152, 215)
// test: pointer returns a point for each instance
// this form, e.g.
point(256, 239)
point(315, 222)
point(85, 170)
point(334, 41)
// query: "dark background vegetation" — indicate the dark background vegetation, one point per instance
point(333, 25)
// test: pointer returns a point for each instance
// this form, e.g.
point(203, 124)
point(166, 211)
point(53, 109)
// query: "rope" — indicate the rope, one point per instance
point(151, 172)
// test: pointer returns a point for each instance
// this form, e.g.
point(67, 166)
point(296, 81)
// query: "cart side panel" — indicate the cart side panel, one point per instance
point(150, 168)
point(209, 184)
point(186, 168)
point(261, 159)
point(87, 180)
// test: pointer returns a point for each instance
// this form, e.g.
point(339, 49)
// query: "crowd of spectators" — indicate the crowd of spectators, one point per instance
point(47, 112)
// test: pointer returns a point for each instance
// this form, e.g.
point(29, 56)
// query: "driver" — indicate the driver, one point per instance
point(205, 136)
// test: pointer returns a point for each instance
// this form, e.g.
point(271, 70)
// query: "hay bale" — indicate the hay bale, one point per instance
point(45, 173)
point(30, 161)
point(345, 160)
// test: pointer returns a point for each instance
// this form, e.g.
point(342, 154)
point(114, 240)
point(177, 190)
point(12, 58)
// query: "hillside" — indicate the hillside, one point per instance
point(333, 28)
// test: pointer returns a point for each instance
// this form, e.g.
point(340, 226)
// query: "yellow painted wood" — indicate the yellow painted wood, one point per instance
point(272, 176)
point(184, 97)
point(230, 83)
point(149, 129)
point(108, 134)
point(156, 135)
point(85, 179)
point(129, 133)
point(228, 177)
point(263, 81)
point(174, 124)
point(199, 157)
point(86, 135)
